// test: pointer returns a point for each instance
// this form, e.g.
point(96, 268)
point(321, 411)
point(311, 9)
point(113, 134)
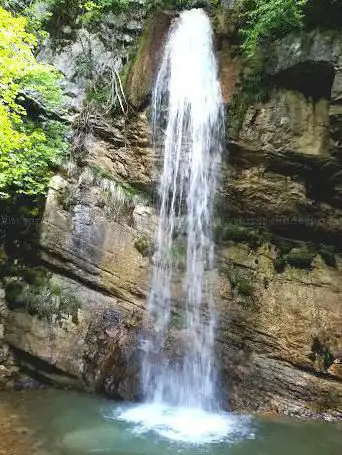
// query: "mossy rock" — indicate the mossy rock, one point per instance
point(3, 256)
point(140, 73)
point(300, 258)
point(321, 352)
point(240, 234)
point(40, 297)
point(37, 276)
point(66, 199)
point(245, 287)
point(297, 257)
point(178, 320)
point(241, 280)
point(327, 253)
point(178, 253)
point(13, 294)
point(279, 264)
point(144, 245)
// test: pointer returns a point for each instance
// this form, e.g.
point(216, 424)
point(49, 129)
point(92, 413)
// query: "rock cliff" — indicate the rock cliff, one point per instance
point(278, 225)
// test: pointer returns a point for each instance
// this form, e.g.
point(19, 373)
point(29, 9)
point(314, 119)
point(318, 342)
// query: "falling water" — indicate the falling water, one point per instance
point(188, 125)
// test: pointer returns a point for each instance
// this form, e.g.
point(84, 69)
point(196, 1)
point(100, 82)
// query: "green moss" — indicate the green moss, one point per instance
point(178, 320)
point(237, 113)
point(327, 253)
point(13, 292)
point(130, 190)
point(320, 351)
point(279, 264)
point(300, 258)
point(244, 287)
point(178, 253)
point(99, 173)
point(36, 276)
point(3, 256)
point(143, 244)
point(241, 280)
point(240, 234)
point(255, 87)
point(66, 199)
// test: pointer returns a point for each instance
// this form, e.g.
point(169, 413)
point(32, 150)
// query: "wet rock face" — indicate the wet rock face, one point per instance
point(97, 215)
point(95, 221)
point(281, 335)
point(289, 142)
point(143, 72)
point(280, 304)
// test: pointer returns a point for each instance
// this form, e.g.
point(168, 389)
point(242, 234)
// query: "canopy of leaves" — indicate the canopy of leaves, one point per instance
point(269, 19)
point(27, 150)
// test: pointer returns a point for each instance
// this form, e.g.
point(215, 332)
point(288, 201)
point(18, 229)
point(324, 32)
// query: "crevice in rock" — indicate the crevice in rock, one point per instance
point(38, 368)
point(313, 79)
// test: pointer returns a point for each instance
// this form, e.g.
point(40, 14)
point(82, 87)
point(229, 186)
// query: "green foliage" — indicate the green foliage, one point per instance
point(105, 5)
point(253, 237)
point(74, 12)
point(27, 150)
point(300, 258)
point(98, 95)
point(244, 287)
point(241, 280)
point(13, 291)
point(89, 12)
point(48, 301)
point(41, 297)
point(36, 276)
point(279, 263)
point(269, 19)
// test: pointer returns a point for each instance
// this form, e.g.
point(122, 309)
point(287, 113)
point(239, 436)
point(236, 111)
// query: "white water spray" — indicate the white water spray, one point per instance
point(178, 368)
point(188, 125)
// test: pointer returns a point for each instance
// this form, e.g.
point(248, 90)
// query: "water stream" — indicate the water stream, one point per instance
point(188, 135)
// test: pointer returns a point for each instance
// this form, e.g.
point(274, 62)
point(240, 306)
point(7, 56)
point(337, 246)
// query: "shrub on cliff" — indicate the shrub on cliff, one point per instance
point(28, 148)
point(269, 19)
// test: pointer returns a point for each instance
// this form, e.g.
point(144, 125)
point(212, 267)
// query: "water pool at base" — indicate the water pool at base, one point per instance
point(51, 422)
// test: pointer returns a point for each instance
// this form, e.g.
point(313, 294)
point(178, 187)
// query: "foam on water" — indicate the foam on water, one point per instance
point(189, 425)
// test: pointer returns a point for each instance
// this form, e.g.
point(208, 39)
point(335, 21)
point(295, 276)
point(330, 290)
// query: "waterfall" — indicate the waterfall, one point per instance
point(188, 125)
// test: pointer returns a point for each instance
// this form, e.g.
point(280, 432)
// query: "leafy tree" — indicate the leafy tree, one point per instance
point(266, 19)
point(27, 150)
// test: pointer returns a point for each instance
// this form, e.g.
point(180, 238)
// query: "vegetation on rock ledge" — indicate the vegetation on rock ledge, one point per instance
point(40, 296)
point(265, 19)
